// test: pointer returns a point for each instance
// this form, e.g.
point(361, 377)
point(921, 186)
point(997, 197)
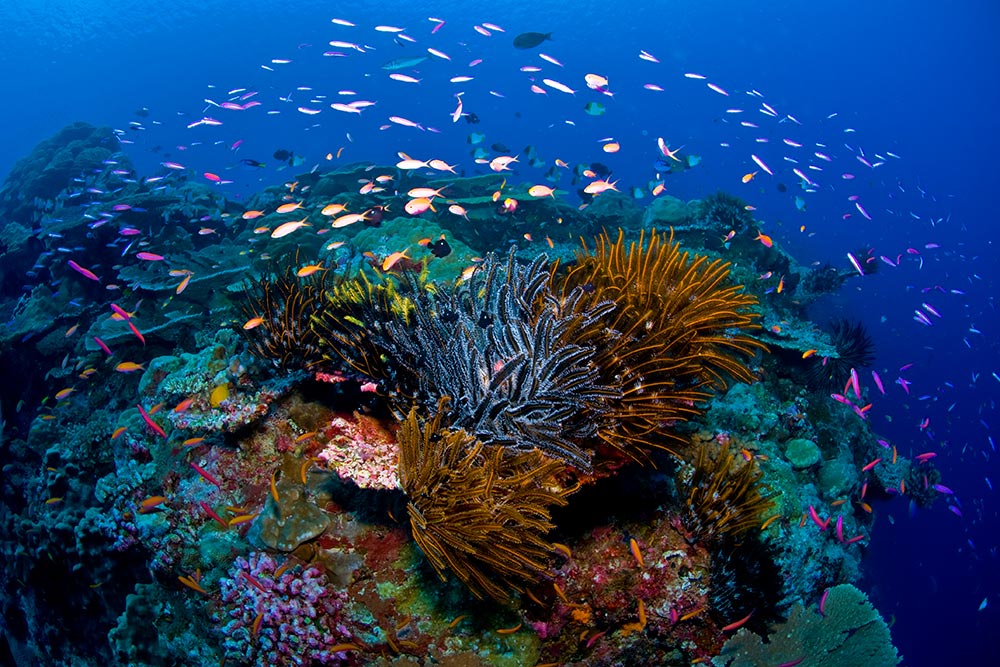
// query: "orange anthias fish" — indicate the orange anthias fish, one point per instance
point(764, 238)
point(309, 269)
point(129, 367)
point(391, 260)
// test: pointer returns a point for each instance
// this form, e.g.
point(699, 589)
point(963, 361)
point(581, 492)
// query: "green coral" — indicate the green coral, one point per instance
point(850, 633)
point(802, 453)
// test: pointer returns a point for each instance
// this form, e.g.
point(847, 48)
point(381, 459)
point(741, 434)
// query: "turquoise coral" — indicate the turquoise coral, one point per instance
point(848, 632)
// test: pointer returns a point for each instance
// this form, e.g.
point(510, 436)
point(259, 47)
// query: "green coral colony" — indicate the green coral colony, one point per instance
point(620, 451)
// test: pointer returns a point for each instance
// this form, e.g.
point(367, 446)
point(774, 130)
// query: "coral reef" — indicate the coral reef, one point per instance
point(275, 615)
point(391, 442)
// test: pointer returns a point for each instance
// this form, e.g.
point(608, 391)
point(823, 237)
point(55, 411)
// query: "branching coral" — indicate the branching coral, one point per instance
point(278, 309)
point(481, 512)
point(676, 332)
point(279, 616)
point(723, 501)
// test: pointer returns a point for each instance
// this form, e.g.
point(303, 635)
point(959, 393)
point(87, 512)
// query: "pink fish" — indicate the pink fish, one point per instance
point(717, 89)
point(760, 163)
point(205, 474)
point(156, 428)
point(855, 264)
point(878, 382)
point(841, 399)
point(839, 531)
point(855, 383)
point(104, 346)
point(86, 273)
point(121, 312)
point(210, 512)
point(136, 332)
point(868, 466)
point(793, 663)
point(815, 517)
point(861, 210)
point(149, 256)
point(822, 602)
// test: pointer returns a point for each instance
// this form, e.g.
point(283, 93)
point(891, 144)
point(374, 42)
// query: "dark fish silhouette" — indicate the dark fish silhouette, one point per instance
point(440, 248)
point(529, 40)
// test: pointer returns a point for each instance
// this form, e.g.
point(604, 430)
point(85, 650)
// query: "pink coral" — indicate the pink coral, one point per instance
point(280, 618)
point(366, 456)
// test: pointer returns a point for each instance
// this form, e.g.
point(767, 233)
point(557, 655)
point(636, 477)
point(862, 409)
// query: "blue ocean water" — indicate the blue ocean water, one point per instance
point(851, 79)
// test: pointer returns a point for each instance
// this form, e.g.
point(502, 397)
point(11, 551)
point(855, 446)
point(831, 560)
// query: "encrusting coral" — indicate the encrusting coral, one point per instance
point(481, 512)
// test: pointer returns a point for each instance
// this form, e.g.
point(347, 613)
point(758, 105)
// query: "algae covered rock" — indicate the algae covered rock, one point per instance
point(837, 477)
point(802, 453)
point(666, 211)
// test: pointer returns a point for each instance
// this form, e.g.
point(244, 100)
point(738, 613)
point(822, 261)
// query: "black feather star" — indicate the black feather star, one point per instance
point(500, 345)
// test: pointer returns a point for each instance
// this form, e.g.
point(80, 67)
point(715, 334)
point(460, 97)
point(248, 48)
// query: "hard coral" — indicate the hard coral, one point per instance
point(278, 616)
point(677, 331)
point(481, 512)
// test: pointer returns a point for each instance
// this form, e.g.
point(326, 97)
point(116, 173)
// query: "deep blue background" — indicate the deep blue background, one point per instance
point(913, 77)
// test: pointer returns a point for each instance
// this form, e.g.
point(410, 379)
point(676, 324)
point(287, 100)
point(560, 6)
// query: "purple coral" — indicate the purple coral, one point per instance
point(298, 615)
